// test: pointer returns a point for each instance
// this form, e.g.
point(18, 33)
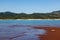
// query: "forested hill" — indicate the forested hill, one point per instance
point(11, 15)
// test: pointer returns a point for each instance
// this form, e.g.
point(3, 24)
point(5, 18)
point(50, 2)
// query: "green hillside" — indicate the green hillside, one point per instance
point(11, 15)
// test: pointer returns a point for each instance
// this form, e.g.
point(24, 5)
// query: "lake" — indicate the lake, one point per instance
point(23, 29)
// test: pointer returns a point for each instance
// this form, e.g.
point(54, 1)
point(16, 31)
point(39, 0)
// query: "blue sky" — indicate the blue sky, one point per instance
point(29, 6)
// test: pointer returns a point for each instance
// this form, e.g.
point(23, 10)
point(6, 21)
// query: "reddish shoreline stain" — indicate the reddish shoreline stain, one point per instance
point(50, 35)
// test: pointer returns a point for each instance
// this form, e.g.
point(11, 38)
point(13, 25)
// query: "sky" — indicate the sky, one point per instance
point(29, 6)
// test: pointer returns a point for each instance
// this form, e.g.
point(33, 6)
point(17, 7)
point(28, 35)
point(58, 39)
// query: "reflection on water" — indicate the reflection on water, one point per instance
point(19, 33)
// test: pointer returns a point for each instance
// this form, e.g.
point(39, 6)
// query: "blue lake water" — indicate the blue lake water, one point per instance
point(23, 29)
point(31, 22)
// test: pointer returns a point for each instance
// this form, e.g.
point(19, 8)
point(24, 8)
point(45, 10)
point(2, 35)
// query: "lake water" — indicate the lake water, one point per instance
point(23, 29)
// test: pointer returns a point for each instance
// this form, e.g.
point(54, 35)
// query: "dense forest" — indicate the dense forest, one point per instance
point(11, 15)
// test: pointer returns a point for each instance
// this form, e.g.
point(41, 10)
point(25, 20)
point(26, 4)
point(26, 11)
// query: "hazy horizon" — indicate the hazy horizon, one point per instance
point(29, 6)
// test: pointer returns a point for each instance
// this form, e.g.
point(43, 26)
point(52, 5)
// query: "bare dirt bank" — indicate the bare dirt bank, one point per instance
point(53, 33)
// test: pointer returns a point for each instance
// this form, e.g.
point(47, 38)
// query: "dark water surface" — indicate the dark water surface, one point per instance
point(23, 29)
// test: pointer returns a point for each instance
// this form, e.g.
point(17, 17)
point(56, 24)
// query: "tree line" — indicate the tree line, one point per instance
point(11, 15)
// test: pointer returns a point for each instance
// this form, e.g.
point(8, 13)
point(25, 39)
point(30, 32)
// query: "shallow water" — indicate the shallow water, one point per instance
point(23, 29)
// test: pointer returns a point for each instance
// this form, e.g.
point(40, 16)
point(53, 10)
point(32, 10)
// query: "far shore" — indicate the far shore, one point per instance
point(29, 19)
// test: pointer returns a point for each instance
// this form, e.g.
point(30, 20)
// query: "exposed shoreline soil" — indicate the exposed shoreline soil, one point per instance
point(53, 33)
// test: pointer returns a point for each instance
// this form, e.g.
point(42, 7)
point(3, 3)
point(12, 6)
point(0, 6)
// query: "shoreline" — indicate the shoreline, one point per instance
point(51, 34)
point(29, 19)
